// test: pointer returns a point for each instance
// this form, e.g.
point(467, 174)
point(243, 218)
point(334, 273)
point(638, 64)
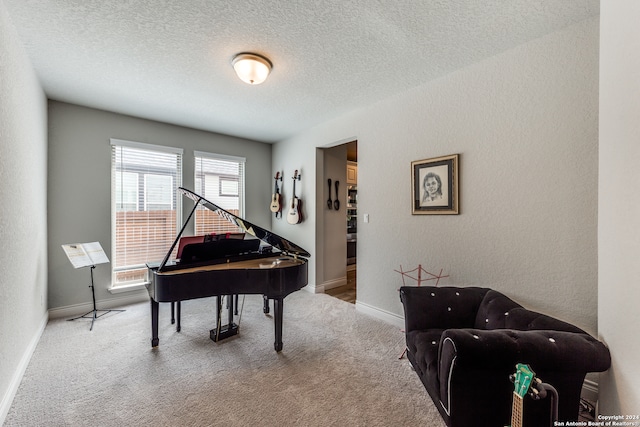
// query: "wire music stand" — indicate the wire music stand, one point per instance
point(94, 313)
point(88, 255)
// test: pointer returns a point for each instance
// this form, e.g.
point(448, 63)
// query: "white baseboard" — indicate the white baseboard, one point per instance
point(335, 283)
point(384, 315)
point(7, 399)
point(311, 287)
point(321, 288)
point(117, 301)
point(590, 390)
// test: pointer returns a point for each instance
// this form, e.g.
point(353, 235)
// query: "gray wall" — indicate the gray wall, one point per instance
point(23, 201)
point(619, 205)
point(80, 186)
point(525, 123)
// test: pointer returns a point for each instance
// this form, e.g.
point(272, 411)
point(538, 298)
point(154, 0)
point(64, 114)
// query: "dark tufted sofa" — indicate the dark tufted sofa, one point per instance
point(465, 342)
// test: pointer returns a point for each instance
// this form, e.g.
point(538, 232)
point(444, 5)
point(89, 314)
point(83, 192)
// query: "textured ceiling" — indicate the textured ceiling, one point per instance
point(170, 60)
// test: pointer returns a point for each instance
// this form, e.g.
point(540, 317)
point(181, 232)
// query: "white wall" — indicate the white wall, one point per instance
point(525, 123)
point(619, 204)
point(23, 201)
point(80, 187)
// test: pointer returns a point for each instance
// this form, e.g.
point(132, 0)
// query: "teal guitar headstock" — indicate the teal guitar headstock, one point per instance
point(523, 378)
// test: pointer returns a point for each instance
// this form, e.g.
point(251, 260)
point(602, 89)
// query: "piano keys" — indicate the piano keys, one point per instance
point(270, 266)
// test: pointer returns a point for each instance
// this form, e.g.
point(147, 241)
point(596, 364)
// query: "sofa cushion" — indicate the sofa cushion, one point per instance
point(494, 310)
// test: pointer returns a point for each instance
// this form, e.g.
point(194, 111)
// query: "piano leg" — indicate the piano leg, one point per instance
point(265, 309)
point(277, 317)
point(173, 313)
point(178, 310)
point(154, 323)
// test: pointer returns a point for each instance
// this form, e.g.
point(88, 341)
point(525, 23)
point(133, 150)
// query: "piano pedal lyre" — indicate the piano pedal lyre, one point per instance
point(225, 331)
point(221, 332)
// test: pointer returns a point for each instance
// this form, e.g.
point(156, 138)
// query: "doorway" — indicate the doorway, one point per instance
point(346, 287)
point(345, 292)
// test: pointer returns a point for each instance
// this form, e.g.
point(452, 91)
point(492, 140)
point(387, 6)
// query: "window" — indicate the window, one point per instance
point(219, 179)
point(145, 208)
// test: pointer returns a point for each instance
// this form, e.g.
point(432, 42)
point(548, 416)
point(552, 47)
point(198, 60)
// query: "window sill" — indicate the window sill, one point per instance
point(127, 288)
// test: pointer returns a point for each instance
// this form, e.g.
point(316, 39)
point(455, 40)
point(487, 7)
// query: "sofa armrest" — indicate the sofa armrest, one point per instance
point(430, 307)
point(475, 366)
point(541, 349)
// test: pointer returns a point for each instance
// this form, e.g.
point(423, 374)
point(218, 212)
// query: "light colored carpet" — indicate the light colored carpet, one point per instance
point(338, 367)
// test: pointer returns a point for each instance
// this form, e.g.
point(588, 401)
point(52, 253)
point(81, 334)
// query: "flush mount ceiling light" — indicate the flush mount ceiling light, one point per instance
point(251, 68)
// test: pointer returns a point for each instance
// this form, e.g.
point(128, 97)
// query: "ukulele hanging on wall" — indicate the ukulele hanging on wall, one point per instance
point(276, 197)
point(295, 208)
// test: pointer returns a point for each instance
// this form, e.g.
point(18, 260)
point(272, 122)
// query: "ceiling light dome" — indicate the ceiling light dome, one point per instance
point(251, 68)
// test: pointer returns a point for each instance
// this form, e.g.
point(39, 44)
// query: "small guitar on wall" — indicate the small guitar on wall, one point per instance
point(295, 209)
point(276, 197)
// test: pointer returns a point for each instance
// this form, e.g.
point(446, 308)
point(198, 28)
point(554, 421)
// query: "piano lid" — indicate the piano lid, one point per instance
point(266, 236)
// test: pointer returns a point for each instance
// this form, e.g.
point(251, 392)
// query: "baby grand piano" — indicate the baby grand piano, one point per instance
point(215, 269)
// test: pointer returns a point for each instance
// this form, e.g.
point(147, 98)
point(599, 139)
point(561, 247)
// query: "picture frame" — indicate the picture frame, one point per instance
point(434, 186)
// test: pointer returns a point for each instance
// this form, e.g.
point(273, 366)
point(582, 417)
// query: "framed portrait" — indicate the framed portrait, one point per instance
point(434, 186)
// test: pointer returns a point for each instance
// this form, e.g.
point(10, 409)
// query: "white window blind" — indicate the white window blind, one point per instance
point(219, 179)
point(145, 208)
